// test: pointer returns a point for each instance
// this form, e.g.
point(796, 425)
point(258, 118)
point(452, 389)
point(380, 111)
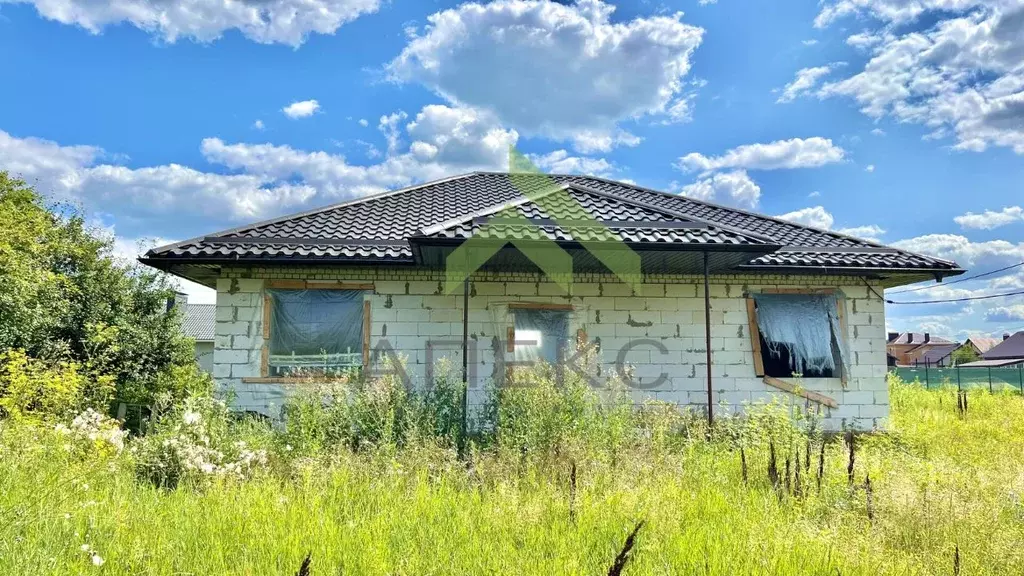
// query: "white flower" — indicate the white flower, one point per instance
point(97, 560)
point(190, 418)
point(85, 547)
point(67, 516)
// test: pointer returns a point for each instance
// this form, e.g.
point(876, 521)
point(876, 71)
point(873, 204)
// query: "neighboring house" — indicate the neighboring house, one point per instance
point(981, 344)
point(197, 322)
point(909, 347)
point(343, 286)
point(938, 356)
point(1011, 348)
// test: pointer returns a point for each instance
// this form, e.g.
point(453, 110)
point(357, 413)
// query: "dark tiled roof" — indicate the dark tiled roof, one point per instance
point(197, 321)
point(618, 219)
point(938, 353)
point(379, 228)
point(1012, 347)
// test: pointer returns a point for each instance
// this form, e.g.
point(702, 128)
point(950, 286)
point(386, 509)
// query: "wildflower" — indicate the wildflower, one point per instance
point(85, 547)
point(191, 418)
point(67, 516)
point(97, 560)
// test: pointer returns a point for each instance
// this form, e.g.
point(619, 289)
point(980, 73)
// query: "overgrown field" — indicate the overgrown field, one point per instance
point(375, 489)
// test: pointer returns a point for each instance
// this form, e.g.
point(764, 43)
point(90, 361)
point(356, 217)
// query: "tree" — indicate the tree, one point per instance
point(965, 354)
point(65, 298)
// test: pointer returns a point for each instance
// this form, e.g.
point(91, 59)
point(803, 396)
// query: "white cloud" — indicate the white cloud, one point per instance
point(1013, 313)
point(819, 217)
point(878, 132)
point(781, 154)
point(806, 79)
point(989, 220)
point(554, 70)
point(810, 42)
point(990, 254)
point(731, 188)
point(960, 78)
point(258, 125)
point(364, 122)
point(871, 232)
point(266, 179)
point(815, 216)
point(869, 168)
point(561, 162)
point(278, 21)
point(303, 109)
point(588, 141)
point(814, 194)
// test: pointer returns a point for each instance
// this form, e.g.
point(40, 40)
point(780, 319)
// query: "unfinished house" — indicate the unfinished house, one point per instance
point(707, 306)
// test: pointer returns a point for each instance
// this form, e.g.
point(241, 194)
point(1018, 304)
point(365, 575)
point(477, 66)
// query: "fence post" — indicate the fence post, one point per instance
point(1020, 376)
point(958, 385)
point(926, 375)
point(989, 379)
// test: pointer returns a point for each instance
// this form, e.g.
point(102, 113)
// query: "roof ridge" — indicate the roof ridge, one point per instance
point(748, 213)
point(674, 214)
point(350, 202)
point(492, 209)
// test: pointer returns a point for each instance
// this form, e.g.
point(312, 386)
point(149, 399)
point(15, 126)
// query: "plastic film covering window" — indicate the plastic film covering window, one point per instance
point(311, 328)
point(549, 327)
point(805, 324)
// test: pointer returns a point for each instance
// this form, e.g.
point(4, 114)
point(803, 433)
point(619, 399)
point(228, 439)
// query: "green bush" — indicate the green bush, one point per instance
point(31, 389)
point(65, 299)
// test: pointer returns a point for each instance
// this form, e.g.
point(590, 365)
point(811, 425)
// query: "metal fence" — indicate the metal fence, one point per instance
point(980, 377)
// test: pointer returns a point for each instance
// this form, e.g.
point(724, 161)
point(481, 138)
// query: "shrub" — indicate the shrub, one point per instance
point(195, 442)
point(93, 433)
point(65, 298)
point(35, 390)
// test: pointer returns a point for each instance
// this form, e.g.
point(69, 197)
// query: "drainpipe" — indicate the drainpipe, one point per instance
point(707, 338)
point(465, 365)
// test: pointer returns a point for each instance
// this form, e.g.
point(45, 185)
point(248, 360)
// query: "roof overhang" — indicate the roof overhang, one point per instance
point(666, 258)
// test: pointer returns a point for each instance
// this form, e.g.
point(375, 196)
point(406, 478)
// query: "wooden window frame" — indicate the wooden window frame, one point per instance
point(265, 377)
point(755, 333)
point(510, 333)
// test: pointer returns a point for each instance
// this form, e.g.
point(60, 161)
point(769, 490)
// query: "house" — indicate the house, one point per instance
point(981, 344)
point(909, 347)
point(939, 356)
point(1011, 348)
point(197, 322)
point(687, 301)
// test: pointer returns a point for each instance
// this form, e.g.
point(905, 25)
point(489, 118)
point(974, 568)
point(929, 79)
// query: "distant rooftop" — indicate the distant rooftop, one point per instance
point(984, 343)
point(197, 321)
point(1012, 347)
point(919, 338)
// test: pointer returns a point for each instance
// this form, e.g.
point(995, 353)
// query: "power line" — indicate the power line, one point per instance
point(942, 301)
point(951, 300)
point(965, 279)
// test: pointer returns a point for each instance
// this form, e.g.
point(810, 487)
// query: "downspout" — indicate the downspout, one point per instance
point(465, 365)
point(707, 337)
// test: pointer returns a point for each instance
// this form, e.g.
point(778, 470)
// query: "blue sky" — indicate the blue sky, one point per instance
point(893, 120)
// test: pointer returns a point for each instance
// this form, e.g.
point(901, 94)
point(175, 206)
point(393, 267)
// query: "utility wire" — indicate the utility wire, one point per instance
point(942, 301)
point(965, 279)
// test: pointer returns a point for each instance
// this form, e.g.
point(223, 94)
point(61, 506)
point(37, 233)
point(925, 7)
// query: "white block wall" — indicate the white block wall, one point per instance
point(409, 309)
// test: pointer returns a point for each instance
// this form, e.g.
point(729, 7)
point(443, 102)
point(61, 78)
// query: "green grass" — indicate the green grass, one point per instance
point(939, 481)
